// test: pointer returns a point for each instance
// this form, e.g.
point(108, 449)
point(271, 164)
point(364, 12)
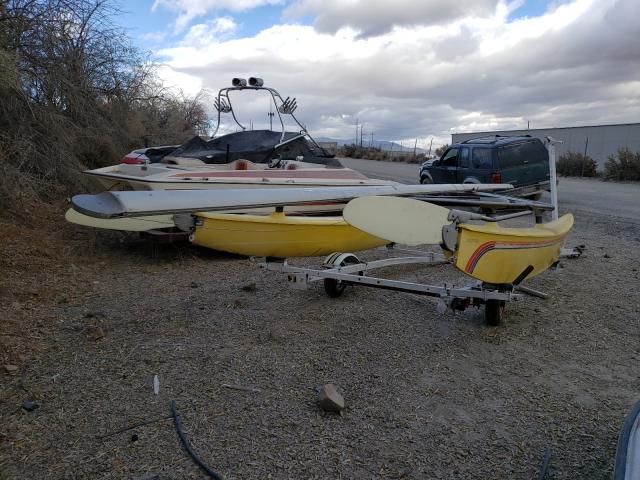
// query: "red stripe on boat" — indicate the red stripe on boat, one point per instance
point(493, 245)
point(331, 174)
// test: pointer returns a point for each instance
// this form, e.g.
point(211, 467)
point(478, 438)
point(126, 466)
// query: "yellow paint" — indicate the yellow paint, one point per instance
point(496, 254)
point(279, 235)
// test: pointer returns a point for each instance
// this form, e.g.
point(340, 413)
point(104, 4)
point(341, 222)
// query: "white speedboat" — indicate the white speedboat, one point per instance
point(243, 159)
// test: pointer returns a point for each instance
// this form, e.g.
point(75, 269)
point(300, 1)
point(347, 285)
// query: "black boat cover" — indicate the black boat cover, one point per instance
point(258, 146)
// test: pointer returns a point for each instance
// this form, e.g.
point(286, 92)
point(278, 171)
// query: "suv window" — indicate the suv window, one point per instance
point(481, 158)
point(450, 158)
point(511, 155)
point(537, 153)
point(463, 158)
point(518, 153)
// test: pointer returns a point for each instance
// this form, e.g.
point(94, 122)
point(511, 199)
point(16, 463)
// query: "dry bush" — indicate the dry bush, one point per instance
point(573, 164)
point(75, 94)
point(624, 166)
point(348, 151)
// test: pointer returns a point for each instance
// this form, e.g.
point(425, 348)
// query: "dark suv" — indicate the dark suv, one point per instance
point(522, 161)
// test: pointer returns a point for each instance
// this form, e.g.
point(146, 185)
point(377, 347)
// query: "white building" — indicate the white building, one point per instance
point(599, 141)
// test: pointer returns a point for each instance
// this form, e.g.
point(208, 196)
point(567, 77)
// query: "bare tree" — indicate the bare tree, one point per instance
point(74, 92)
point(442, 149)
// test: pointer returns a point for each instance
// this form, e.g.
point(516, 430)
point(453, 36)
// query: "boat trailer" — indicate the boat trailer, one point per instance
point(342, 269)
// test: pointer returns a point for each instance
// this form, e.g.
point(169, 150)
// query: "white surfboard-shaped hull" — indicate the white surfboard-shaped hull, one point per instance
point(130, 224)
point(144, 203)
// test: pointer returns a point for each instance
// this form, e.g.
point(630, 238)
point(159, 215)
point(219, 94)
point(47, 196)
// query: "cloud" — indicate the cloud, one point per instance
point(203, 34)
point(578, 64)
point(190, 9)
point(178, 81)
point(377, 17)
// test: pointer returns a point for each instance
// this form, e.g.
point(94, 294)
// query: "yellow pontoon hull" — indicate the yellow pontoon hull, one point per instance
point(278, 235)
point(499, 255)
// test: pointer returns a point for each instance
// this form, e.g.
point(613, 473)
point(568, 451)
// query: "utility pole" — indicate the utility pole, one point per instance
point(361, 133)
point(356, 143)
point(584, 158)
point(371, 144)
point(271, 115)
point(430, 144)
point(415, 146)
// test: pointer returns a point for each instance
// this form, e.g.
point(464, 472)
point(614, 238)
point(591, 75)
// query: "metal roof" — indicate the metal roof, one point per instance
point(489, 132)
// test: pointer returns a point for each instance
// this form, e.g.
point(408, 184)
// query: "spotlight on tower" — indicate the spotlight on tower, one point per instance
point(255, 82)
point(239, 82)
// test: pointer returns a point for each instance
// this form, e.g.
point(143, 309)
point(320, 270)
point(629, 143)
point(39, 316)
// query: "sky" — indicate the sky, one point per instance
point(405, 69)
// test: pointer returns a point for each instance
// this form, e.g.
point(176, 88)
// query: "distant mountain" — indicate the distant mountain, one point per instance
point(381, 144)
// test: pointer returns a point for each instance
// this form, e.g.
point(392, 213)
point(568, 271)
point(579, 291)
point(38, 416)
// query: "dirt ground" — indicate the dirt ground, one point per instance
point(87, 321)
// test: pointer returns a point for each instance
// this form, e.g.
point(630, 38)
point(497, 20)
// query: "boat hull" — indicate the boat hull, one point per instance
point(500, 255)
point(278, 235)
point(170, 177)
point(130, 224)
point(132, 177)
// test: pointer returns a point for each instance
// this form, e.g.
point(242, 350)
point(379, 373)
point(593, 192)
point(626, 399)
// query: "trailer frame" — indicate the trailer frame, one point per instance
point(340, 270)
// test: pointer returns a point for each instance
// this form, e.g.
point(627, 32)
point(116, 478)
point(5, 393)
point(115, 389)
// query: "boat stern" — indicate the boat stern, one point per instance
point(501, 255)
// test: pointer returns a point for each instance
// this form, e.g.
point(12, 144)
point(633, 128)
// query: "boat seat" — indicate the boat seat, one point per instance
point(242, 164)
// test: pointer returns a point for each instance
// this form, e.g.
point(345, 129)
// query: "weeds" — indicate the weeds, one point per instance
point(573, 164)
point(75, 94)
point(623, 166)
point(373, 153)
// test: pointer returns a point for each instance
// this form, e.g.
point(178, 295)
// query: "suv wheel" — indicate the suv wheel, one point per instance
point(471, 180)
point(425, 180)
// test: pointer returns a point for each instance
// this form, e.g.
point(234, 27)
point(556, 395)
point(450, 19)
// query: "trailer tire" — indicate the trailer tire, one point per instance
point(493, 312)
point(335, 288)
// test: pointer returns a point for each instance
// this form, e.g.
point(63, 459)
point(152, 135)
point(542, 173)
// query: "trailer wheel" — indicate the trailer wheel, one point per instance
point(334, 288)
point(493, 312)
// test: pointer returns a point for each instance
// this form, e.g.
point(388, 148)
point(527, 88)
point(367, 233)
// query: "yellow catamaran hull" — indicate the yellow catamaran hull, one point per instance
point(499, 255)
point(279, 235)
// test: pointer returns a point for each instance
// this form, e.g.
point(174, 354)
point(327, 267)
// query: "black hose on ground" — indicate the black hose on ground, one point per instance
point(187, 447)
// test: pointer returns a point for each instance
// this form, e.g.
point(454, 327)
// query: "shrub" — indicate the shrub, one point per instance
point(625, 167)
point(573, 164)
point(347, 150)
point(75, 94)
point(368, 153)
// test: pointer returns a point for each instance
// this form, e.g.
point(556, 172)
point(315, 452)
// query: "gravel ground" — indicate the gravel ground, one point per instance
point(428, 395)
